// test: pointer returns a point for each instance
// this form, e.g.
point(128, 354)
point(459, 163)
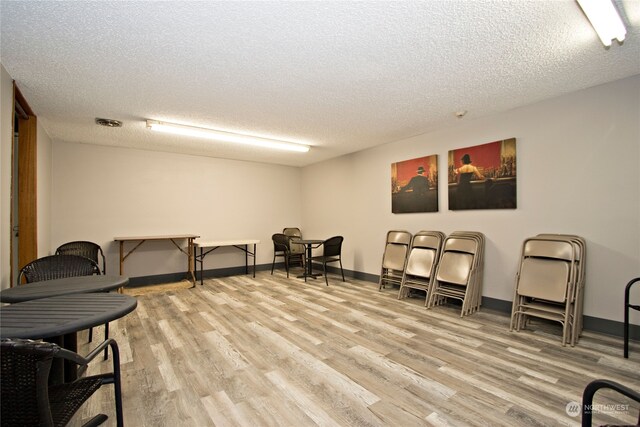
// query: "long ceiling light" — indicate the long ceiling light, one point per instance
point(219, 135)
point(605, 20)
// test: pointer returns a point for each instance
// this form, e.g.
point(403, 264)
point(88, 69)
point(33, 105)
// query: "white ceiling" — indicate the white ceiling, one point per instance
point(341, 75)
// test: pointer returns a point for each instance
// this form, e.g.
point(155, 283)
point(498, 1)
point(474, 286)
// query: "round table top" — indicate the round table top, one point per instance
point(65, 286)
point(56, 316)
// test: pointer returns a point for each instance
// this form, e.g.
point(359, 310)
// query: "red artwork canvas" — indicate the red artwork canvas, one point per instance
point(414, 185)
point(483, 176)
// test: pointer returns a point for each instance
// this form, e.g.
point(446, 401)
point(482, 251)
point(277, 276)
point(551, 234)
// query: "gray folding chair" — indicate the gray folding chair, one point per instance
point(394, 258)
point(458, 274)
point(296, 250)
point(546, 284)
point(421, 262)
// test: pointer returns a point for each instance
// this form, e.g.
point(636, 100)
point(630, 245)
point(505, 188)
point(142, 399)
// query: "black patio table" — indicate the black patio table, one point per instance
point(59, 318)
point(65, 286)
point(309, 244)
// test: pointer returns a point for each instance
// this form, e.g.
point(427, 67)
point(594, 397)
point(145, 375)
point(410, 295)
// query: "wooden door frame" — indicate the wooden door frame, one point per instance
point(26, 198)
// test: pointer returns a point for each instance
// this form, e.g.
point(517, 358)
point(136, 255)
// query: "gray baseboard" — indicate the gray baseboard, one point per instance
point(595, 324)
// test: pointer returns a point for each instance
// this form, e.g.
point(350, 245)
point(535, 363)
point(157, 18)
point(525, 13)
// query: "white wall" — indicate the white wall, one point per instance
point(104, 192)
point(577, 157)
point(6, 138)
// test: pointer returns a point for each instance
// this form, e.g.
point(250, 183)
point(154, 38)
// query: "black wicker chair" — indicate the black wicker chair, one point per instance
point(331, 252)
point(89, 250)
point(58, 267)
point(281, 248)
point(27, 398)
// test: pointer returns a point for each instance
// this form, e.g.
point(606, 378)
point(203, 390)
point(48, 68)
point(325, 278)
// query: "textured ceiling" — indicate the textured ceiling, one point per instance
point(340, 76)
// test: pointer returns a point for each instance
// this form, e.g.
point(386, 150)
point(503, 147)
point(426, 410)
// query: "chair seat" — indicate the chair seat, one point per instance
point(321, 258)
point(67, 398)
point(28, 396)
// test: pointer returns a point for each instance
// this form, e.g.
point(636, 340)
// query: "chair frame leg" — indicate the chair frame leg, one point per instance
point(324, 271)
point(627, 306)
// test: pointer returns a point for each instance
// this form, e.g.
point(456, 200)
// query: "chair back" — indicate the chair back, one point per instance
point(294, 232)
point(396, 249)
point(421, 262)
point(424, 253)
point(86, 249)
point(457, 260)
point(332, 246)
point(546, 269)
point(24, 369)
point(399, 237)
point(57, 267)
point(280, 242)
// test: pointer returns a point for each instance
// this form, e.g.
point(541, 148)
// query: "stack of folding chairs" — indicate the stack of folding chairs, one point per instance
point(550, 283)
point(422, 261)
point(459, 272)
point(394, 258)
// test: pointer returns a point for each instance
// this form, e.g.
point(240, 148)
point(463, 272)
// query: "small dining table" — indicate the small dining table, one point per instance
point(309, 245)
point(64, 286)
point(59, 318)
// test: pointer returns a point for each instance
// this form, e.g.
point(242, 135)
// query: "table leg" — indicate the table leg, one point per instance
point(191, 261)
point(121, 256)
point(70, 368)
point(201, 267)
point(254, 260)
point(246, 259)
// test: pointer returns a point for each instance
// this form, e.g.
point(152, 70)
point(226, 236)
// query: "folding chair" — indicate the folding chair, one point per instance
point(580, 246)
point(546, 285)
point(459, 272)
point(421, 262)
point(394, 258)
point(296, 250)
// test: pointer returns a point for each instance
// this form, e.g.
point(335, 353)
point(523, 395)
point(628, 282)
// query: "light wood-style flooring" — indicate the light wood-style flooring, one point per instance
point(273, 351)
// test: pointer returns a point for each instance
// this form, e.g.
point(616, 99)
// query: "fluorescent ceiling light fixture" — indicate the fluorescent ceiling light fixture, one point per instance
point(218, 135)
point(605, 20)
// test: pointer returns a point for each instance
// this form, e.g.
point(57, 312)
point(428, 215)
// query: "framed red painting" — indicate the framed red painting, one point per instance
point(414, 185)
point(483, 176)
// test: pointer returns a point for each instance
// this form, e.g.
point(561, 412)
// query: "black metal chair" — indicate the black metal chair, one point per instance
point(58, 267)
point(281, 248)
point(331, 252)
point(90, 250)
point(86, 249)
point(627, 306)
point(590, 391)
point(29, 400)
